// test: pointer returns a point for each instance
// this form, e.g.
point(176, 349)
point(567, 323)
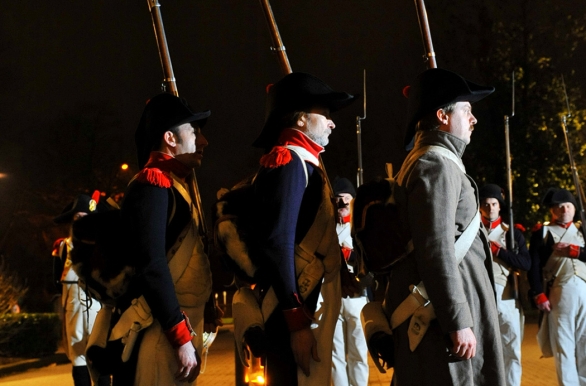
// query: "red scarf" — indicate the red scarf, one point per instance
point(158, 169)
point(280, 155)
point(344, 220)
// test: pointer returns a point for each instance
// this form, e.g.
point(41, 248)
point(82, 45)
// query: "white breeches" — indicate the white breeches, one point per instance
point(326, 314)
point(157, 364)
point(511, 327)
point(567, 321)
point(349, 357)
point(80, 314)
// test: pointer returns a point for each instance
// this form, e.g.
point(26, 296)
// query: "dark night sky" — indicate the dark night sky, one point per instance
point(67, 58)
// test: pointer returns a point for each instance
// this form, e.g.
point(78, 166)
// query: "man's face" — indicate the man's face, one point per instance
point(562, 213)
point(190, 143)
point(343, 201)
point(317, 125)
point(460, 122)
point(490, 208)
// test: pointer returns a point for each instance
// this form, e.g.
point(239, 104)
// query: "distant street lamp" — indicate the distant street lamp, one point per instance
point(3, 175)
point(124, 166)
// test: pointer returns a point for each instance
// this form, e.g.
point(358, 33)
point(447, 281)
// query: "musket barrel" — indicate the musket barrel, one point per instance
point(168, 75)
point(425, 33)
point(510, 233)
point(278, 47)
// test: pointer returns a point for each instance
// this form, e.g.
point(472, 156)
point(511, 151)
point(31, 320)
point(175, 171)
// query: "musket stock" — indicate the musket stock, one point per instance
point(425, 34)
point(170, 85)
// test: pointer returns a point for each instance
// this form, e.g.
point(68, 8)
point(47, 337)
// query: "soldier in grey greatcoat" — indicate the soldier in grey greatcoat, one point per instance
point(441, 298)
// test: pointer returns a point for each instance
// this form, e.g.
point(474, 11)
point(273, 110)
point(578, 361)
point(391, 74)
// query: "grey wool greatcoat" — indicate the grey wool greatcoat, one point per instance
point(437, 201)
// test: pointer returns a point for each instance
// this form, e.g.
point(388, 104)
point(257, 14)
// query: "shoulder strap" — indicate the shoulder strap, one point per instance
point(295, 150)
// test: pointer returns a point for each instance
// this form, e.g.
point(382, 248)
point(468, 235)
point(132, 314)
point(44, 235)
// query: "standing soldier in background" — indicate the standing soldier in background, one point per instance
point(349, 356)
point(80, 308)
point(441, 297)
point(163, 223)
point(559, 259)
point(299, 254)
point(505, 262)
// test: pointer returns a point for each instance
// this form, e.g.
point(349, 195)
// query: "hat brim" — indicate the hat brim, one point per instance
point(334, 101)
point(477, 93)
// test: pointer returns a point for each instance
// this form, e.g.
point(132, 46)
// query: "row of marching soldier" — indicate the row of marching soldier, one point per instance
point(447, 325)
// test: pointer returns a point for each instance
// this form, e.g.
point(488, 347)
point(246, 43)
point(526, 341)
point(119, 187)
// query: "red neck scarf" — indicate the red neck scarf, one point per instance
point(344, 220)
point(491, 224)
point(158, 169)
point(298, 138)
point(280, 155)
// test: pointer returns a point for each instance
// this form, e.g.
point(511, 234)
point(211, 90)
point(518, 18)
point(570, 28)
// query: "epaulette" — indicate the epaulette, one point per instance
point(520, 227)
point(156, 177)
point(578, 224)
point(538, 226)
point(505, 227)
point(56, 245)
point(278, 156)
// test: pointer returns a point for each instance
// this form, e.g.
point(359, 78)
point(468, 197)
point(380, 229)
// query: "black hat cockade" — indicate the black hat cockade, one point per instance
point(296, 92)
point(162, 113)
point(436, 88)
point(82, 203)
point(343, 185)
point(492, 191)
point(555, 196)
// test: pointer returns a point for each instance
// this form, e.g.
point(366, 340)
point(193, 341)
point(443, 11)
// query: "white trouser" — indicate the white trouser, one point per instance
point(349, 358)
point(511, 329)
point(567, 329)
point(157, 364)
point(326, 314)
point(80, 314)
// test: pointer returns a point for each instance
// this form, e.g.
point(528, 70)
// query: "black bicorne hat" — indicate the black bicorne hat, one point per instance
point(296, 92)
point(82, 203)
point(555, 196)
point(436, 88)
point(162, 113)
point(492, 191)
point(343, 185)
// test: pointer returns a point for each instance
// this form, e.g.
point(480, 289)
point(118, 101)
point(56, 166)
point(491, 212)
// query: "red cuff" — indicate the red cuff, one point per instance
point(574, 251)
point(541, 298)
point(346, 252)
point(298, 318)
point(494, 247)
point(181, 333)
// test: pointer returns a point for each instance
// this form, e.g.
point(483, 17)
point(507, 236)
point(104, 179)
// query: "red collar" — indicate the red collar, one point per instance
point(344, 220)
point(567, 225)
point(491, 224)
point(158, 169)
point(298, 138)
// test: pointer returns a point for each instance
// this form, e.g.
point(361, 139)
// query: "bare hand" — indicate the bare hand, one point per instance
point(189, 363)
point(561, 249)
point(545, 306)
point(464, 343)
point(304, 348)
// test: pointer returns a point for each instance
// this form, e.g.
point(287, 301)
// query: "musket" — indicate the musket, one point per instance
point(425, 34)
point(359, 119)
point(575, 175)
point(278, 46)
point(170, 85)
point(511, 232)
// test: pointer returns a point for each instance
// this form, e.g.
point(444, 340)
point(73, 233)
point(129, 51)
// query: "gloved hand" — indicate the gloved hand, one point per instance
point(382, 347)
point(256, 340)
point(495, 247)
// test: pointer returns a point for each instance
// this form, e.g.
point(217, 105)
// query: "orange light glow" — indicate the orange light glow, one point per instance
point(124, 166)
